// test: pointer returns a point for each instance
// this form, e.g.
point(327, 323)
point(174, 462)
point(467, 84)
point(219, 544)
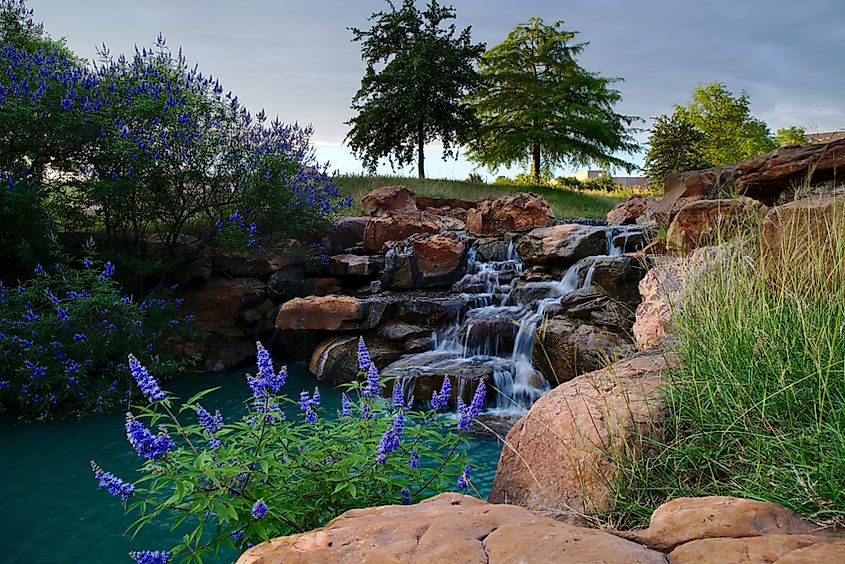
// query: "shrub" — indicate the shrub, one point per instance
point(64, 333)
point(239, 482)
point(757, 407)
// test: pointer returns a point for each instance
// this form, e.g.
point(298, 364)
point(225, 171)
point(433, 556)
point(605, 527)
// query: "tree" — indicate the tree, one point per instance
point(732, 134)
point(792, 135)
point(674, 145)
point(417, 73)
point(536, 102)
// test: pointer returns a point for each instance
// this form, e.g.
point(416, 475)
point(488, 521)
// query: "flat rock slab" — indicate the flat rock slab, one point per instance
point(449, 528)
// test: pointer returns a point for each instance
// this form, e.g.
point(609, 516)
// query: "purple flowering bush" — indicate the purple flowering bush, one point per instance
point(234, 483)
point(146, 149)
point(64, 334)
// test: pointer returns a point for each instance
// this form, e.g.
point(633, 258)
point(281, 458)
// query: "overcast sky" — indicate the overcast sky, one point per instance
point(296, 60)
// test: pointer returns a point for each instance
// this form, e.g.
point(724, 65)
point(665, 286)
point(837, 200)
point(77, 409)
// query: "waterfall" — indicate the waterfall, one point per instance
point(476, 337)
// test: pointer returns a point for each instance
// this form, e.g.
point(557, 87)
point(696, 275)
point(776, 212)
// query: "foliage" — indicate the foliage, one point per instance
point(731, 133)
point(538, 104)
point(151, 151)
point(418, 69)
point(565, 203)
point(757, 406)
point(63, 335)
point(792, 135)
point(234, 483)
point(675, 145)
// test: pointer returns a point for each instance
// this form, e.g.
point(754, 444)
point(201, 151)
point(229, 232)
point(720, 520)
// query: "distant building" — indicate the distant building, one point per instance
point(626, 181)
point(825, 136)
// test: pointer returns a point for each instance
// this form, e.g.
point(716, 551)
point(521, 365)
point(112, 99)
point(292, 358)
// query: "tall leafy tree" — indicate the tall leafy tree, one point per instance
point(733, 134)
point(792, 135)
point(675, 145)
point(538, 104)
point(418, 70)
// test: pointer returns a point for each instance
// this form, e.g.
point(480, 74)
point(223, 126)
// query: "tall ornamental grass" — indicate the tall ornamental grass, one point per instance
point(757, 407)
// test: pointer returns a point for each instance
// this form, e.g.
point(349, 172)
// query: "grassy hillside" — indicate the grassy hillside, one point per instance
point(565, 203)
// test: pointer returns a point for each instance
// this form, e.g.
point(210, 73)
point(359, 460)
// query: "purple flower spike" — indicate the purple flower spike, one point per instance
point(372, 388)
point(110, 482)
point(405, 496)
point(363, 356)
point(147, 445)
point(398, 396)
point(345, 406)
point(149, 386)
point(463, 479)
point(440, 399)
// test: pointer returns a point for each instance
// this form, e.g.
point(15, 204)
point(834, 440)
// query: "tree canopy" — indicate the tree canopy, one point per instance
point(538, 105)
point(732, 134)
point(792, 135)
point(675, 144)
point(418, 71)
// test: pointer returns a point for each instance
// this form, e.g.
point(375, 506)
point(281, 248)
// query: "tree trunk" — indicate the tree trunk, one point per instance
point(535, 162)
point(421, 158)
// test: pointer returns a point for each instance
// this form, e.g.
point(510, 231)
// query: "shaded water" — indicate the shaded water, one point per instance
point(52, 510)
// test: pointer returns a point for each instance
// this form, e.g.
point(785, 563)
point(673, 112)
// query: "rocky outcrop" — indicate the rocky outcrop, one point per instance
point(618, 277)
point(450, 204)
point(386, 199)
point(457, 528)
point(707, 183)
point(401, 224)
point(566, 347)
point(764, 177)
point(494, 216)
point(560, 456)
point(425, 261)
point(328, 313)
point(792, 231)
point(232, 312)
point(627, 212)
point(449, 528)
point(710, 222)
point(562, 244)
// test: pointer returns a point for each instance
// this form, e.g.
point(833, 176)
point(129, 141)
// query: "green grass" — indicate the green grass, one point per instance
point(757, 407)
point(565, 203)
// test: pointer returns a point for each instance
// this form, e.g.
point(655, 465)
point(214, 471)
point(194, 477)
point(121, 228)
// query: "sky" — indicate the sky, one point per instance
point(296, 60)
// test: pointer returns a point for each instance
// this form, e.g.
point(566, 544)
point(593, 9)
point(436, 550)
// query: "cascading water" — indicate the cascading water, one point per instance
point(495, 336)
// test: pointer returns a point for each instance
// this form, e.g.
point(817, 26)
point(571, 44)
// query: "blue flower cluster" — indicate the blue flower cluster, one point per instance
point(468, 414)
point(150, 556)
point(211, 424)
point(147, 445)
point(440, 400)
point(149, 386)
point(110, 482)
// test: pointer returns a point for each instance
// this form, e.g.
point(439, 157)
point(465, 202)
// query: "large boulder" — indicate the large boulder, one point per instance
point(401, 224)
point(559, 460)
point(425, 261)
point(449, 527)
point(386, 199)
point(685, 519)
point(232, 311)
point(617, 276)
point(627, 212)
point(327, 313)
point(291, 282)
point(562, 244)
point(494, 216)
point(426, 202)
point(707, 183)
point(566, 347)
point(710, 222)
point(764, 177)
point(793, 232)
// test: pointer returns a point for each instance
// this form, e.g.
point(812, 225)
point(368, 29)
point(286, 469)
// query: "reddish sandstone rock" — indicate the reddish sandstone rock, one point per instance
point(764, 177)
point(557, 459)
point(705, 183)
point(448, 528)
point(399, 225)
point(335, 360)
point(425, 202)
point(710, 222)
point(690, 518)
point(793, 230)
point(763, 549)
point(329, 313)
point(509, 213)
point(355, 265)
point(425, 261)
point(627, 212)
point(386, 199)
